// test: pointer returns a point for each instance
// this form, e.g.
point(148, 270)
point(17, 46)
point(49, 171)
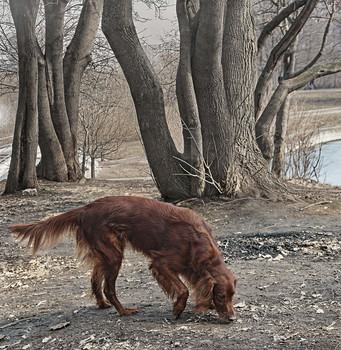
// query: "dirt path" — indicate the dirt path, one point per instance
point(287, 257)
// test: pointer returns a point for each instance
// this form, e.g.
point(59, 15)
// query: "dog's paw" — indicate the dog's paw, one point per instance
point(128, 311)
point(104, 304)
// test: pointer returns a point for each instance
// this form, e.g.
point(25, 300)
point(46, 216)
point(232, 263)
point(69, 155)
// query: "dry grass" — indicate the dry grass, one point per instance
point(320, 99)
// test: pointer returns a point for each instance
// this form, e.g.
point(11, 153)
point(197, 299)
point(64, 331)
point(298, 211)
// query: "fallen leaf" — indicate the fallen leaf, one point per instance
point(87, 340)
point(278, 257)
point(59, 326)
point(46, 339)
point(240, 305)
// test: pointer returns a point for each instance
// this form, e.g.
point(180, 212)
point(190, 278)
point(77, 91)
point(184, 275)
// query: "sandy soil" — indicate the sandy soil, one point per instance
point(287, 256)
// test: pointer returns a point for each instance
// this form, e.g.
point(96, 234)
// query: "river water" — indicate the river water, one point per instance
point(331, 157)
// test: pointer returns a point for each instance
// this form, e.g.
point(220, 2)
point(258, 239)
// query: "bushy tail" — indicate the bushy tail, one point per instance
point(45, 234)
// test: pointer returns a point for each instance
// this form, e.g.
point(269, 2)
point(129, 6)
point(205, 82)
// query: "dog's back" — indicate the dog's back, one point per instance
point(148, 225)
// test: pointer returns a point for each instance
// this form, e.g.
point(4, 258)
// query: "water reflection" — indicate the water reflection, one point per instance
point(331, 157)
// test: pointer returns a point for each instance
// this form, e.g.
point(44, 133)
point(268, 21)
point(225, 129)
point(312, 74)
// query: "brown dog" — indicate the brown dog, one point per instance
point(177, 241)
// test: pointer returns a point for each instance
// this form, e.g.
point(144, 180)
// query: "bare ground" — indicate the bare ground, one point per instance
point(287, 257)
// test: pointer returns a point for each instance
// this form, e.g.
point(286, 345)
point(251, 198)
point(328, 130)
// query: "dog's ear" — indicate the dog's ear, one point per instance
point(204, 293)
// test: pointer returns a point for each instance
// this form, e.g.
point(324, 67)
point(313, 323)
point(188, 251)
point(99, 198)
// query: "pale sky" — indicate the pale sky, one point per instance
point(155, 27)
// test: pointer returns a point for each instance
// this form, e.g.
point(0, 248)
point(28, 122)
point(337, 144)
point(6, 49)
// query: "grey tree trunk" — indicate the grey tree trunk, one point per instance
point(277, 52)
point(22, 171)
point(55, 12)
point(163, 157)
point(215, 85)
point(93, 167)
point(278, 161)
point(76, 59)
point(248, 173)
point(52, 165)
point(210, 92)
point(187, 102)
point(277, 99)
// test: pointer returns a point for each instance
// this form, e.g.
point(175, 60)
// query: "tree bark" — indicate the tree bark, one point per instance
point(55, 12)
point(278, 162)
point(279, 144)
point(277, 20)
point(187, 102)
point(210, 93)
point(22, 171)
point(248, 173)
point(52, 168)
point(118, 27)
point(93, 167)
point(77, 57)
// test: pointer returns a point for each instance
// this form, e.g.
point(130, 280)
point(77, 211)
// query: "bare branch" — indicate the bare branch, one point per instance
point(278, 51)
point(285, 13)
point(323, 44)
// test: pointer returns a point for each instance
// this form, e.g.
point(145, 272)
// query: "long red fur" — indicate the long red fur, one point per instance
point(177, 241)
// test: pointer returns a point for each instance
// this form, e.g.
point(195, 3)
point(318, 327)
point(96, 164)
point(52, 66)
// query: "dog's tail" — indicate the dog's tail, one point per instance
point(46, 233)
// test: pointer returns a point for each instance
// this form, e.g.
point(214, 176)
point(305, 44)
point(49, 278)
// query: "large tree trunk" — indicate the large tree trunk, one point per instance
point(215, 94)
point(163, 158)
point(51, 167)
point(55, 12)
point(210, 93)
point(248, 173)
point(22, 171)
point(187, 102)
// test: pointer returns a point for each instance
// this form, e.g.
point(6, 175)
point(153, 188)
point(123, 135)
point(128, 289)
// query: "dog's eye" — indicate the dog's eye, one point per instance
point(221, 298)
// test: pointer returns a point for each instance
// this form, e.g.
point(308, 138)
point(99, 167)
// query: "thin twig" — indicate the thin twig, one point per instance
point(317, 203)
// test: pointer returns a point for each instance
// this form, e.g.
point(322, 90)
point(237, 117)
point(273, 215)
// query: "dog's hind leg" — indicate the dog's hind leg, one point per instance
point(170, 282)
point(96, 286)
point(110, 276)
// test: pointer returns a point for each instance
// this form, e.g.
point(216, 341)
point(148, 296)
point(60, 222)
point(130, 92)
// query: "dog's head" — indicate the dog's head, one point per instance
point(223, 292)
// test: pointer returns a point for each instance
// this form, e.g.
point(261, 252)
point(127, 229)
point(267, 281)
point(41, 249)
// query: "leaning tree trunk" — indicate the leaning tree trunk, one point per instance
point(277, 52)
point(22, 171)
point(285, 87)
point(76, 59)
point(163, 157)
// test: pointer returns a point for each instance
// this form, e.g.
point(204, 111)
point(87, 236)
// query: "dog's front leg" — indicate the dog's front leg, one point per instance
point(172, 285)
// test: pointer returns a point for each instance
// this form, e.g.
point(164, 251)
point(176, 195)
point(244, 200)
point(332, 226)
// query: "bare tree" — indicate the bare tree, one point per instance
point(22, 172)
point(57, 88)
point(293, 78)
point(303, 157)
point(215, 95)
point(104, 123)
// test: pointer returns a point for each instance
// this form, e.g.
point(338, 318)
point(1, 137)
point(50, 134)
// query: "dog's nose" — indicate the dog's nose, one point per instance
point(232, 318)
